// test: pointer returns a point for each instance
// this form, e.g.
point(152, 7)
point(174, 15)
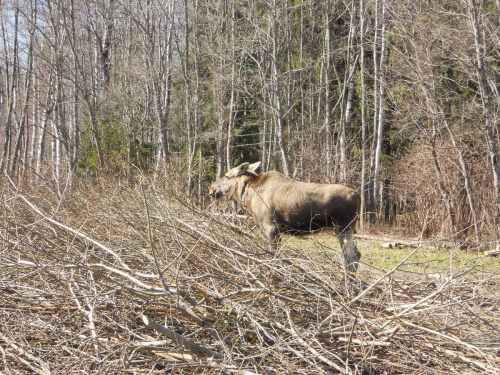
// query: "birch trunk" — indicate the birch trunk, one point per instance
point(232, 101)
point(27, 93)
point(220, 127)
point(380, 115)
point(11, 92)
point(363, 115)
point(104, 61)
point(376, 78)
point(328, 96)
point(278, 105)
point(35, 118)
point(197, 121)
point(191, 142)
point(164, 94)
point(350, 73)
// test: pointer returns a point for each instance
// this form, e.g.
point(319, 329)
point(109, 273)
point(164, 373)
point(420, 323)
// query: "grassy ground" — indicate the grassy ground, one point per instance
point(430, 257)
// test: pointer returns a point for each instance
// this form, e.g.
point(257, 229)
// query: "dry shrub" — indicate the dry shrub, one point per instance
point(111, 278)
point(311, 164)
point(421, 207)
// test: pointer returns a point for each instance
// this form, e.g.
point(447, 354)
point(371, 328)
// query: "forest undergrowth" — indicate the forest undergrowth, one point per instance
point(106, 277)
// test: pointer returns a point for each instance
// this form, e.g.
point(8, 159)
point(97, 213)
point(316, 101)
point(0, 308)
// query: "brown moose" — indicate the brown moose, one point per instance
point(278, 203)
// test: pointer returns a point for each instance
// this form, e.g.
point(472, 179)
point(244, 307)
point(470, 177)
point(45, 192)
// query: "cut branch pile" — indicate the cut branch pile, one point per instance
point(133, 280)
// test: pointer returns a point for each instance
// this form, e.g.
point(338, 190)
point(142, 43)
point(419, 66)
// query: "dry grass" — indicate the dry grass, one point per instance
point(97, 281)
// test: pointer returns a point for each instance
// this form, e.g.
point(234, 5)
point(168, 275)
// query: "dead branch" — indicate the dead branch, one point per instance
point(40, 368)
point(194, 348)
point(222, 285)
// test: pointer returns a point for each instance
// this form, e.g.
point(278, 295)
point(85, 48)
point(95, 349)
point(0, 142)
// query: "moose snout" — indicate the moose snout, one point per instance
point(217, 194)
point(214, 193)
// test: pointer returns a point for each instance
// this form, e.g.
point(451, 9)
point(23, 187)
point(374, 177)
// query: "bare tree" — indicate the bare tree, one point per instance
point(277, 105)
point(12, 74)
point(232, 90)
point(363, 113)
point(23, 121)
point(379, 113)
point(329, 66)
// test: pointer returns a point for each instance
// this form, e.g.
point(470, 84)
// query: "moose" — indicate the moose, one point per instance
point(280, 204)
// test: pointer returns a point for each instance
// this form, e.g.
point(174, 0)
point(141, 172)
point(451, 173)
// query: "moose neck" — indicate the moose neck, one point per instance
point(243, 193)
point(239, 194)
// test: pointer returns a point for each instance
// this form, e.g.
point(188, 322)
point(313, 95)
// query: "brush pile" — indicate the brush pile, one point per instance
point(111, 278)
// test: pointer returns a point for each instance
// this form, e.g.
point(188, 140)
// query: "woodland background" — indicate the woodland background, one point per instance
point(399, 99)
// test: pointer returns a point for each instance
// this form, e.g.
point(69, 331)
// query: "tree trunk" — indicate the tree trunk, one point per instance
point(190, 129)
point(11, 88)
point(220, 127)
point(104, 61)
point(197, 120)
point(232, 100)
point(328, 95)
point(376, 78)
point(163, 91)
point(27, 93)
point(363, 115)
point(380, 121)
point(350, 73)
point(278, 106)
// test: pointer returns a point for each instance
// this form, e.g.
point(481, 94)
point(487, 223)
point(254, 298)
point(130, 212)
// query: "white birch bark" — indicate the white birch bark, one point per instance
point(278, 105)
point(380, 114)
point(363, 114)
point(232, 100)
point(328, 96)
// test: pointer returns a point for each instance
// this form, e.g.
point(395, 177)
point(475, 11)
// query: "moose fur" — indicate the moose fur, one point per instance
point(278, 203)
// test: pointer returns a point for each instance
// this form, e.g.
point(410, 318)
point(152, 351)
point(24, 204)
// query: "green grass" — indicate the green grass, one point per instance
point(424, 260)
point(429, 259)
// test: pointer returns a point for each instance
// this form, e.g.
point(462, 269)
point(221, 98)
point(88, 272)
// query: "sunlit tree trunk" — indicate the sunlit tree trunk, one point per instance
point(278, 104)
point(190, 128)
point(364, 139)
point(376, 78)
point(85, 78)
point(104, 60)
point(161, 67)
point(197, 120)
point(352, 58)
point(21, 134)
point(11, 72)
point(232, 100)
point(303, 97)
point(328, 66)
point(379, 130)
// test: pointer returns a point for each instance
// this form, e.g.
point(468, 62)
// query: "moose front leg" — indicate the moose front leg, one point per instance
point(271, 232)
point(349, 250)
point(351, 253)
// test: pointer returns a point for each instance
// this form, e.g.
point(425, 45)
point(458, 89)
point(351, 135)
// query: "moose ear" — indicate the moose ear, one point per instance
point(238, 171)
point(255, 167)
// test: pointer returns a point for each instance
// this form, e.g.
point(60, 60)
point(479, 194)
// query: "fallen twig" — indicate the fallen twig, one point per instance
point(194, 348)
